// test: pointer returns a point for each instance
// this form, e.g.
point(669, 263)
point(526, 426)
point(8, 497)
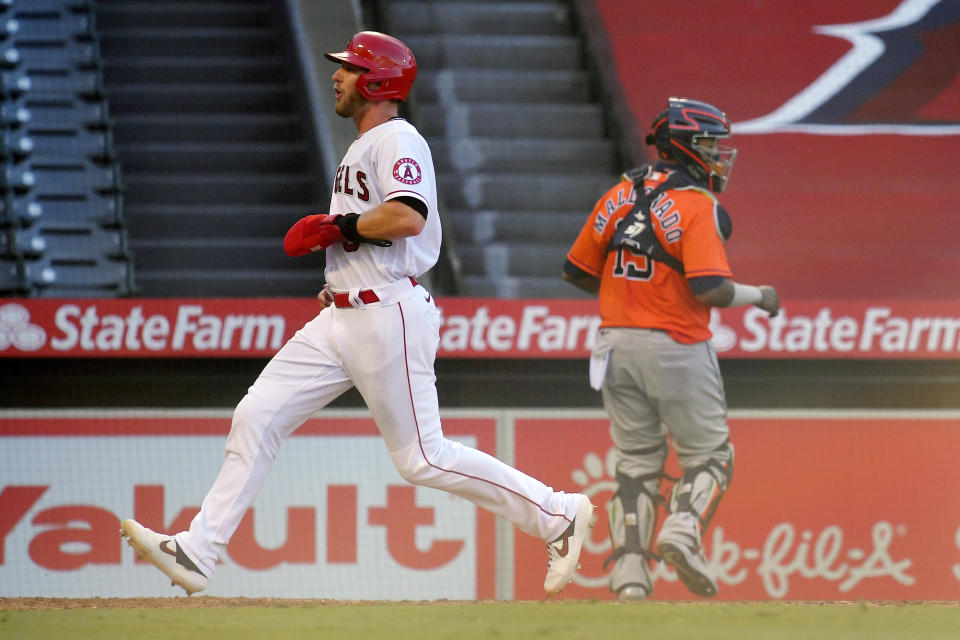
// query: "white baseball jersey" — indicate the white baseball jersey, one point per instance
point(389, 161)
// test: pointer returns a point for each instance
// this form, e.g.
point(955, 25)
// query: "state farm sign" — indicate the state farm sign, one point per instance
point(148, 327)
point(472, 328)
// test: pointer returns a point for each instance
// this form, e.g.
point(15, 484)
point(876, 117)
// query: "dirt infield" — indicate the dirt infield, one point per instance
point(210, 602)
point(199, 602)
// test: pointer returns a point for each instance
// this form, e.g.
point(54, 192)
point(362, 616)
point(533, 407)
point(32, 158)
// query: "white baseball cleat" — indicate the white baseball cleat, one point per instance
point(163, 552)
point(563, 554)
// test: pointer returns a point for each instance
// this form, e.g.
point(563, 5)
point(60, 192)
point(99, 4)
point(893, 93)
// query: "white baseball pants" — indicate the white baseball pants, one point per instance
point(387, 351)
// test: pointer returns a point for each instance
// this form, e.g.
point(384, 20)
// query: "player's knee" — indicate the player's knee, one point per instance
point(241, 438)
point(412, 467)
point(417, 472)
point(642, 461)
point(247, 435)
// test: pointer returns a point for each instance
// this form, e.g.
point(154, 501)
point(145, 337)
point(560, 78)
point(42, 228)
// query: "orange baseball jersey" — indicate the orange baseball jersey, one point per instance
point(636, 291)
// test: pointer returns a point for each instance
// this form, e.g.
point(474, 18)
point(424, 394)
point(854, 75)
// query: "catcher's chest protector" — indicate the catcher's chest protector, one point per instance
point(636, 230)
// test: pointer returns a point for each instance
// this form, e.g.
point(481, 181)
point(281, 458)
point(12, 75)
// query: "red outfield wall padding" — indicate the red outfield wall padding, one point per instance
point(845, 185)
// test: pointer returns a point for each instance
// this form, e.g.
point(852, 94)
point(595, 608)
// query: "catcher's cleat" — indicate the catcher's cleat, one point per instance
point(680, 547)
point(163, 552)
point(691, 567)
point(563, 554)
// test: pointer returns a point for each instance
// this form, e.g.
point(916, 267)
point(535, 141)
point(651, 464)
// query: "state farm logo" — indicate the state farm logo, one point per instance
point(183, 328)
point(870, 330)
point(532, 328)
point(724, 338)
point(17, 330)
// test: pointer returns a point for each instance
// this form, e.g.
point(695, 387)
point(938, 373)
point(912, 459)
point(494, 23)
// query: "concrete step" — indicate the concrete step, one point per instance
point(512, 287)
point(525, 120)
point(199, 127)
point(144, 15)
point(219, 157)
point(171, 221)
point(201, 98)
point(238, 188)
point(198, 41)
point(505, 86)
point(524, 155)
point(470, 52)
point(492, 18)
point(217, 254)
point(523, 192)
point(514, 259)
point(525, 227)
point(231, 283)
point(185, 70)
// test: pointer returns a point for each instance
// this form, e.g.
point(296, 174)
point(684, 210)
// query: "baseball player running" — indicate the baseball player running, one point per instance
point(378, 330)
point(653, 249)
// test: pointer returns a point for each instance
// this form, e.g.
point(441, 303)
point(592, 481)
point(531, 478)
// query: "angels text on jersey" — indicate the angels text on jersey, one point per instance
point(350, 182)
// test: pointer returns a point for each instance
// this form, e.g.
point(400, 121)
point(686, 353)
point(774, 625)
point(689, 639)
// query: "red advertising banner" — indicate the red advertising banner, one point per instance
point(334, 519)
point(818, 509)
point(472, 328)
point(821, 507)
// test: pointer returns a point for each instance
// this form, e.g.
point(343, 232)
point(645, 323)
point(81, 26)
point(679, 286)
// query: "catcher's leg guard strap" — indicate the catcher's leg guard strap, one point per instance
point(633, 515)
point(700, 489)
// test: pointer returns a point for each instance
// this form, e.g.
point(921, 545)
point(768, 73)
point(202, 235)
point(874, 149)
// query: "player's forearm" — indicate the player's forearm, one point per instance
point(389, 221)
point(733, 294)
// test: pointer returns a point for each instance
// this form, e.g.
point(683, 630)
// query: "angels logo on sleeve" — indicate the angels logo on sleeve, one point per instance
point(407, 171)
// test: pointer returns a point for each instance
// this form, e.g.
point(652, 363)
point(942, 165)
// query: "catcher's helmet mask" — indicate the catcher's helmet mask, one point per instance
point(389, 64)
point(688, 132)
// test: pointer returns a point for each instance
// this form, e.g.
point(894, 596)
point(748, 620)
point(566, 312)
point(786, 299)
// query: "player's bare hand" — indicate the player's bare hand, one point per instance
point(770, 302)
point(325, 297)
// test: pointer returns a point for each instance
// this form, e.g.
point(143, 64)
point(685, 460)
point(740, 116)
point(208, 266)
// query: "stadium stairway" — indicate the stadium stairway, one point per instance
point(517, 131)
point(206, 102)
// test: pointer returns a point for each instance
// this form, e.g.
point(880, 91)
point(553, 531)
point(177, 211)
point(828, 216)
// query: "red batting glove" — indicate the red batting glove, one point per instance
point(312, 233)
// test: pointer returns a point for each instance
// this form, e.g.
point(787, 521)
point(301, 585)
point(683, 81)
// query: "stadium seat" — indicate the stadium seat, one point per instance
point(84, 54)
point(51, 179)
point(49, 5)
point(24, 242)
point(105, 210)
point(61, 205)
point(46, 110)
point(14, 82)
point(52, 78)
point(52, 144)
point(52, 278)
point(48, 24)
point(85, 243)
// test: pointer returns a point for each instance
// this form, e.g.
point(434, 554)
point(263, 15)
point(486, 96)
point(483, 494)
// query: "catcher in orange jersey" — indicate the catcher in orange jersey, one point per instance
point(653, 249)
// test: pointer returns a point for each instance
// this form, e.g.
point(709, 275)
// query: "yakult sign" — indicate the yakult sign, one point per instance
point(334, 518)
point(472, 328)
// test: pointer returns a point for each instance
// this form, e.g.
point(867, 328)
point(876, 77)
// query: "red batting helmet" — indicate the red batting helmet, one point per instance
point(387, 61)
